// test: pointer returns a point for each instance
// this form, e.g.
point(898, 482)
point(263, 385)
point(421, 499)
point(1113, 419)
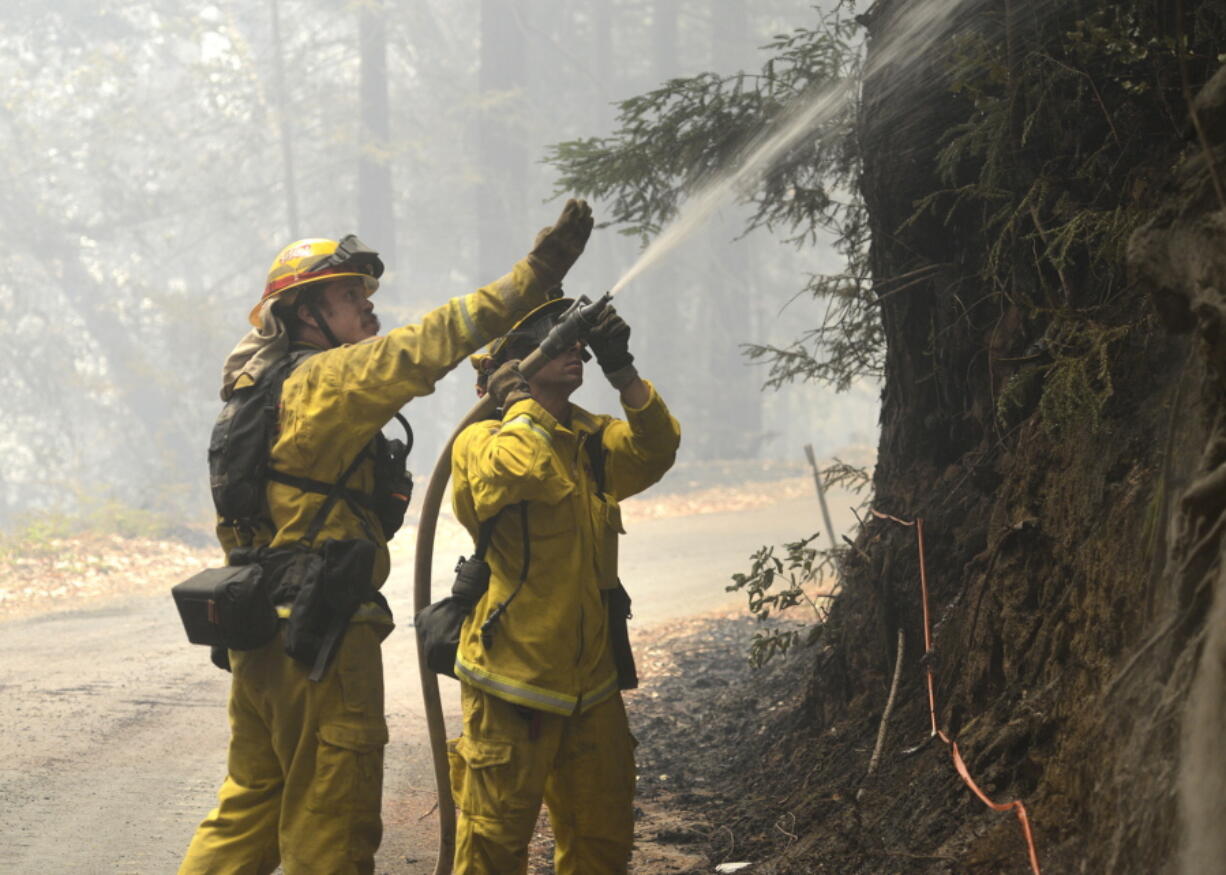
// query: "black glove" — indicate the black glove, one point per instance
point(610, 343)
point(559, 246)
point(507, 385)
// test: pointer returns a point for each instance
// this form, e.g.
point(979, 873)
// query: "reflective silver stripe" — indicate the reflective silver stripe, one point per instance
point(470, 325)
point(526, 421)
point(598, 695)
point(521, 694)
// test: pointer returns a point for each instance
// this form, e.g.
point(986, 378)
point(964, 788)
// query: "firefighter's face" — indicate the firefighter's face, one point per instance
point(561, 375)
point(349, 312)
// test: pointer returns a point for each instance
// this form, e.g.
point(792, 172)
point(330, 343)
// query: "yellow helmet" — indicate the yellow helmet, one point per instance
point(317, 258)
point(531, 329)
point(524, 336)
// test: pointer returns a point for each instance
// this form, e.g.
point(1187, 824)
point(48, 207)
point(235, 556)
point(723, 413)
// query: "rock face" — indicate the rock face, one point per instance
point(1053, 411)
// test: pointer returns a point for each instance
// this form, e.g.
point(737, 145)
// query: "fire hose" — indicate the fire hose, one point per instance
point(572, 327)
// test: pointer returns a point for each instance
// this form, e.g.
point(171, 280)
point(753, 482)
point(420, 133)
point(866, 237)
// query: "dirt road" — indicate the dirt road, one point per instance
point(115, 728)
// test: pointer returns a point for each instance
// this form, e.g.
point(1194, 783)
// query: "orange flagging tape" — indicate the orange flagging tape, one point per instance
point(885, 516)
point(1017, 806)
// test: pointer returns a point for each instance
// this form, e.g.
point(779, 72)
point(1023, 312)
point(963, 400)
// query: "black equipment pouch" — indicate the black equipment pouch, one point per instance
point(330, 588)
point(234, 608)
point(438, 624)
point(329, 591)
point(324, 587)
point(227, 607)
point(618, 602)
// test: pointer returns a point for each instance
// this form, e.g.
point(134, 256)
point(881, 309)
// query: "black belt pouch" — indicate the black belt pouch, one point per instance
point(227, 607)
point(328, 592)
point(438, 624)
point(619, 637)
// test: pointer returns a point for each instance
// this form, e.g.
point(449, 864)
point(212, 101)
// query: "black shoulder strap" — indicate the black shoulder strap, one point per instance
point(483, 537)
point(279, 372)
point(353, 497)
point(485, 534)
point(306, 484)
point(334, 494)
point(596, 455)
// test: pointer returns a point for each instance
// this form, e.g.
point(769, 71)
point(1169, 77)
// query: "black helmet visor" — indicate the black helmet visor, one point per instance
point(352, 253)
point(528, 335)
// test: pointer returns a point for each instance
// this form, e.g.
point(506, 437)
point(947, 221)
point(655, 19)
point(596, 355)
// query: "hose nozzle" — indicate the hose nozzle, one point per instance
point(574, 324)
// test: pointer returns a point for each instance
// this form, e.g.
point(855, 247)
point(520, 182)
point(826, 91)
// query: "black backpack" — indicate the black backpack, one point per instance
point(239, 450)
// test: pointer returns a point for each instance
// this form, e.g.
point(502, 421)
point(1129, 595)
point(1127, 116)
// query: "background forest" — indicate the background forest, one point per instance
point(1012, 222)
point(158, 154)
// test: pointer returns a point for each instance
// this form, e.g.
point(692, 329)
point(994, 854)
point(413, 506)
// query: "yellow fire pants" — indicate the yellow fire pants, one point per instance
point(305, 765)
point(505, 763)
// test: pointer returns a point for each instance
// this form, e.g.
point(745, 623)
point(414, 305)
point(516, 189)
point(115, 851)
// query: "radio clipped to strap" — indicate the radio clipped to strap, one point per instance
point(393, 482)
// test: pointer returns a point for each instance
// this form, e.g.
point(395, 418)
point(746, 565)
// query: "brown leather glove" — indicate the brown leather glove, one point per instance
point(507, 385)
point(560, 245)
point(556, 291)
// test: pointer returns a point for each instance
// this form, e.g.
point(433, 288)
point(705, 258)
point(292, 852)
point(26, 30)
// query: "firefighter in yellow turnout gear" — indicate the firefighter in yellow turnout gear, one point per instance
point(542, 712)
point(305, 762)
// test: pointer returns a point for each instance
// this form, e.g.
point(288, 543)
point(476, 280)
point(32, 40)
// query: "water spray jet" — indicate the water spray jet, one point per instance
point(917, 29)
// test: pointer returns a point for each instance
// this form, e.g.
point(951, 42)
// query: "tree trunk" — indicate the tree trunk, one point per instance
point(376, 215)
point(282, 109)
point(502, 158)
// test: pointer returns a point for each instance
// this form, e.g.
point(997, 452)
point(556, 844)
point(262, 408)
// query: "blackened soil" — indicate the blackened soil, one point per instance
point(734, 768)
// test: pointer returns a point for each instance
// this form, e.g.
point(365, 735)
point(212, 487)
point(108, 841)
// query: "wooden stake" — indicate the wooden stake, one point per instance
point(821, 495)
point(885, 715)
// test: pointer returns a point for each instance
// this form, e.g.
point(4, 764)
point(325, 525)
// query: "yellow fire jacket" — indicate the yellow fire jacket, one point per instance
point(333, 403)
point(548, 649)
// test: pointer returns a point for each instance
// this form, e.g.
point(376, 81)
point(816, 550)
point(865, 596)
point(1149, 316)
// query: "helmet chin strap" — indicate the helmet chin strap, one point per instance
point(322, 324)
